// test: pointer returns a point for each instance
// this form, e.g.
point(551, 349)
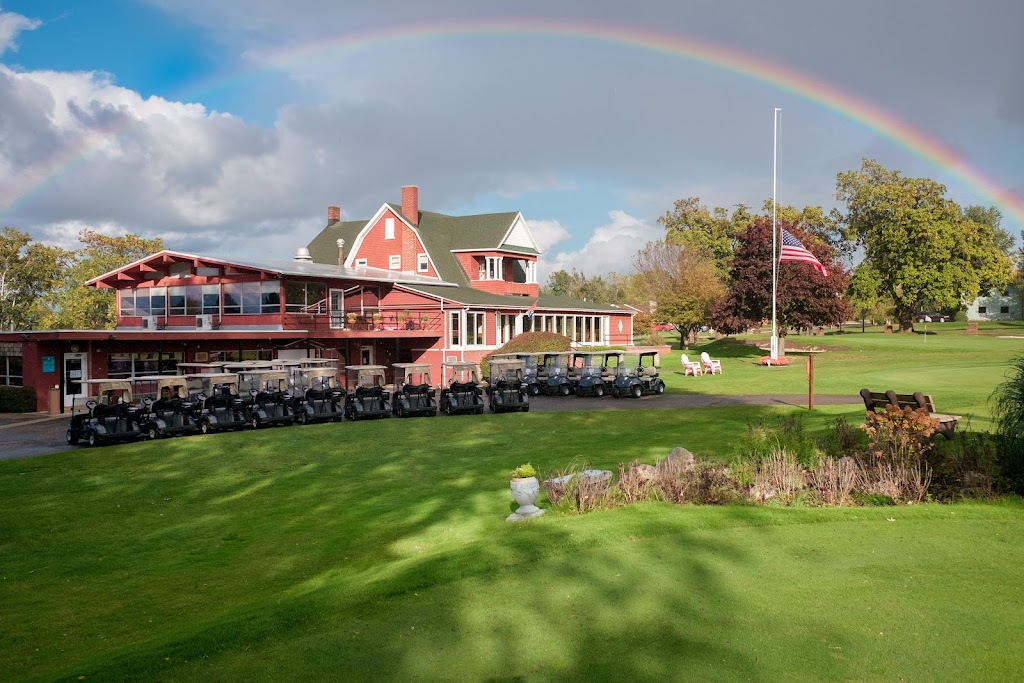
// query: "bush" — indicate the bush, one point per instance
point(766, 437)
point(1008, 410)
point(898, 438)
point(960, 317)
point(967, 466)
point(17, 399)
point(527, 342)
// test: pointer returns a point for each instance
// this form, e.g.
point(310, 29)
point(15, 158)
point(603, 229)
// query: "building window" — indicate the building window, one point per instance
point(305, 297)
point(252, 298)
point(982, 310)
point(422, 263)
point(10, 366)
point(475, 329)
point(211, 299)
point(360, 263)
point(506, 328)
point(389, 228)
point(395, 262)
point(1004, 309)
point(128, 365)
point(456, 337)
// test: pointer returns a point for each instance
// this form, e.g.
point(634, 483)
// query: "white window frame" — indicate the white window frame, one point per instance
point(395, 262)
point(471, 324)
point(422, 263)
point(389, 228)
point(455, 329)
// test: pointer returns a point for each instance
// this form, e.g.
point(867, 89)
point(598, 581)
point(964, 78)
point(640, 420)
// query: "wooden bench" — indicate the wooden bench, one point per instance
point(874, 400)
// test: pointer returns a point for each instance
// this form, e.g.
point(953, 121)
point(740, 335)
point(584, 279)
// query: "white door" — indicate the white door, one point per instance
point(337, 311)
point(366, 355)
point(76, 369)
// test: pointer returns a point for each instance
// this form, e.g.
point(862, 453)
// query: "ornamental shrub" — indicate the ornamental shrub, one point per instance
point(17, 399)
point(1008, 410)
point(527, 342)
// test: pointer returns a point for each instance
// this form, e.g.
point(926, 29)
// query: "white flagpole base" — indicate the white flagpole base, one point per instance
point(774, 348)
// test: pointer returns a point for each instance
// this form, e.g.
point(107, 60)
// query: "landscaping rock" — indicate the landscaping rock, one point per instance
point(679, 460)
point(643, 473)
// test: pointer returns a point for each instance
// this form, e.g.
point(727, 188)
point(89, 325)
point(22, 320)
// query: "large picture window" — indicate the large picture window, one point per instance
point(252, 298)
point(10, 368)
point(305, 297)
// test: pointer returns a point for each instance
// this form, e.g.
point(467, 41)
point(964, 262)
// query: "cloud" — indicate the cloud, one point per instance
point(11, 25)
point(547, 233)
point(609, 249)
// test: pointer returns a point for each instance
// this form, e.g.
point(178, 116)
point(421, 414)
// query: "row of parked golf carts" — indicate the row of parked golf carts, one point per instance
point(208, 397)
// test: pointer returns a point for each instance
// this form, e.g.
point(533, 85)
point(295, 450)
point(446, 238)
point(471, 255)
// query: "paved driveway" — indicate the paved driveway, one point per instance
point(23, 436)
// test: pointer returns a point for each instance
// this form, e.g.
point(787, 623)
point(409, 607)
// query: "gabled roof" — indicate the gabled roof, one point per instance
point(440, 233)
point(469, 296)
point(156, 262)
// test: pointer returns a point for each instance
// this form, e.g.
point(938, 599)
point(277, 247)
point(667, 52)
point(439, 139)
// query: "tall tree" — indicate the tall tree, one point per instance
point(918, 241)
point(28, 271)
point(74, 306)
point(712, 232)
point(608, 289)
point(685, 283)
point(805, 297)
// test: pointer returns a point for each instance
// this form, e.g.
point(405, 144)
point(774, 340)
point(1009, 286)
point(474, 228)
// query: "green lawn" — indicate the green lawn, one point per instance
point(379, 551)
point(959, 371)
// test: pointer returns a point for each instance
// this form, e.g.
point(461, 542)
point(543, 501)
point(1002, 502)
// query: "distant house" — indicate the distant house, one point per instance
point(1006, 304)
point(403, 286)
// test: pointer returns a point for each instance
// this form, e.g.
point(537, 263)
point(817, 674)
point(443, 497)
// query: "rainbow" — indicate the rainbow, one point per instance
point(803, 85)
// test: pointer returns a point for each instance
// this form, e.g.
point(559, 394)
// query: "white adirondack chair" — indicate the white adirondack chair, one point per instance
point(691, 367)
point(712, 366)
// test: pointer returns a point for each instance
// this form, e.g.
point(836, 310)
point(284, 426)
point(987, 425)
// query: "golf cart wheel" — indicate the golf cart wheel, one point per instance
point(598, 390)
point(90, 437)
point(72, 439)
point(563, 389)
point(660, 388)
point(254, 422)
point(303, 418)
point(636, 391)
point(152, 432)
point(534, 390)
point(447, 409)
point(204, 426)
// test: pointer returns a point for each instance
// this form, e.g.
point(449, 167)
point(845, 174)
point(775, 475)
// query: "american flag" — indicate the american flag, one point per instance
point(531, 309)
point(792, 250)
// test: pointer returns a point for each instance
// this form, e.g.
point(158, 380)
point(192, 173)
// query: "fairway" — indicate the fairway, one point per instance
point(378, 551)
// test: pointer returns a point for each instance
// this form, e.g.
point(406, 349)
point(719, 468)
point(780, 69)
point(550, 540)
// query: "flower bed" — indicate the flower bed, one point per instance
point(781, 360)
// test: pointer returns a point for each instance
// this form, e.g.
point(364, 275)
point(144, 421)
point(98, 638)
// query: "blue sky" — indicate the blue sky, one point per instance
point(176, 117)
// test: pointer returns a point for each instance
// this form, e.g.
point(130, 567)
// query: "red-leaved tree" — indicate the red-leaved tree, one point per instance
point(805, 298)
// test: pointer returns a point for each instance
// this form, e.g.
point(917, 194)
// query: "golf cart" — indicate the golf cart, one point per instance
point(110, 415)
point(316, 394)
point(557, 382)
point(531, 368)
point(271, 402)
point(367, 398)
point(464, 393)
point(413, 394)
point(221, 407)
point(639, 380)
point(596, 375)
point(167, 409)
point(507, 392)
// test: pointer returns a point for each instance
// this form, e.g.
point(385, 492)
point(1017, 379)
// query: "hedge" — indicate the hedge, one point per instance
point(17, 399)
point(527, 342)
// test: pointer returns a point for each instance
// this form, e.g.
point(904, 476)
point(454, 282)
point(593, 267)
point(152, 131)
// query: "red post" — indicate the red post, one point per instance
point(810, 381)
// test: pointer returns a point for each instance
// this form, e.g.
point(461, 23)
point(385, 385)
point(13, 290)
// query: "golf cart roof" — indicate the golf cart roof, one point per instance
point(265, 374)
point(317, 362)
point(650, 354)
point(162, 380)
point(215, 377)
point(183, 368)
point(412, 367)
point(109, 384)
point(461, 365)
point(507, 362)
point(248, 365)
point(318, 372)
point(362, 368)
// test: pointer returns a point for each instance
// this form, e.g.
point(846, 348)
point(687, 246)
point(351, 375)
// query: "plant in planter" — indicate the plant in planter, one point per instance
point(525, 489)
point(424, 319)
point(351, 318)
point(376, 320)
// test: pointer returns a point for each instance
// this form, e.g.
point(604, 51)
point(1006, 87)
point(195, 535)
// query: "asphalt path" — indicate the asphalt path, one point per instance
point(23, 436)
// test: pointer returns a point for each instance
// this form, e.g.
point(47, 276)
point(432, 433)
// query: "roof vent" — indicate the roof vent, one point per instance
point(302, 254)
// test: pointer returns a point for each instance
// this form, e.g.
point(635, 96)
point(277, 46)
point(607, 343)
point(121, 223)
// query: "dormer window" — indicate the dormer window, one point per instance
point(492, 268)
point(389, 228)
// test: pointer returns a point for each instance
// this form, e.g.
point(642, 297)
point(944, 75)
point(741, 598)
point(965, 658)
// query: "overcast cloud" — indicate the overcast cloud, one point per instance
point(591, 140)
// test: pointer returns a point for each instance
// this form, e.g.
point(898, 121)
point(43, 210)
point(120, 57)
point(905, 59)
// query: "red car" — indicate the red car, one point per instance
point(662, 327)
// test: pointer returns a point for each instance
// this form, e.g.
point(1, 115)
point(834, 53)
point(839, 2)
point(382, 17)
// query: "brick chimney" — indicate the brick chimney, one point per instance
point(411, 204)
point(341, 252)
point(333, 215)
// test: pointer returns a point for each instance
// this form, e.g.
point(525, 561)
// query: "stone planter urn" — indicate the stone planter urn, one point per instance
point(525, 491)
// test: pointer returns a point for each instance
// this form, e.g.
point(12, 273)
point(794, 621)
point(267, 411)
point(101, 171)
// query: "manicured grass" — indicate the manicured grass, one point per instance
point(959, 371)
point(379, 551)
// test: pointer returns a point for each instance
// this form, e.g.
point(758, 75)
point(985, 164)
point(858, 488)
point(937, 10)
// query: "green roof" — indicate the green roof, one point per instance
point(474, 297)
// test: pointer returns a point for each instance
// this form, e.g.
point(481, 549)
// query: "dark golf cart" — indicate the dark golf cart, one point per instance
point(639, 380)
point(316, 394)
point(531, 369)
point(221, 407)
point(506, 391)
point(109, 416)
point(557, 382)
point(464, 393)
point(413, 394)
point(271, 401)
point(367, 397)
point(596, 372)
point(167, 408)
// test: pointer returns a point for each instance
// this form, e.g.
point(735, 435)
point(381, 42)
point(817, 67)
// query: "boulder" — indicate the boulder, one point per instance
point(643, 473)
point(679, 460)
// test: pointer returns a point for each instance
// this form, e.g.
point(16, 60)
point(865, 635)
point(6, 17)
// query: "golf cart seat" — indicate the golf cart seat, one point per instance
point(372, 398)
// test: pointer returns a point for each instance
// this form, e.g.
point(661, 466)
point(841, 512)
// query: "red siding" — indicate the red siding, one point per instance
point(377, 250)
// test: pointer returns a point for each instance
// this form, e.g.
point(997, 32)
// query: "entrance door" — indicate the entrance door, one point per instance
point(76, 369)
point(337, 311)
point(366, 355)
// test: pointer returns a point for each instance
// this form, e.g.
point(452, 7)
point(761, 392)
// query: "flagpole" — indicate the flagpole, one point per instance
point(774, 346)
